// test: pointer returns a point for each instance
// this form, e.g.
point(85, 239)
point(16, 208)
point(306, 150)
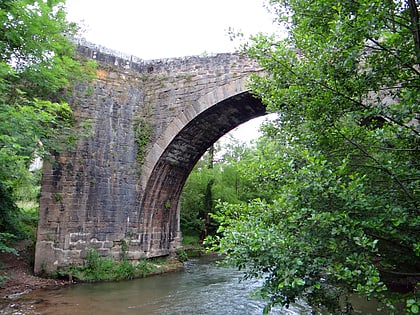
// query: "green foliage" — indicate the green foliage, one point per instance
point(413, 306)
point(181, 255)
point(297, 244)
point(192, 200)
point(209, 181)
point(142, 132)
point(28, 220)
point(37, 68)
point(5, 247)
point(99, 268)
point(189, 240)
point(6, 238)
point(338, 172)
point(35, 43)
point(9, 212)
point(16, 222)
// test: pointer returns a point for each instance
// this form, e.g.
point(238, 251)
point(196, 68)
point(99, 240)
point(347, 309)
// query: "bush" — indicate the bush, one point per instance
point(181, 255)
point(106, 269)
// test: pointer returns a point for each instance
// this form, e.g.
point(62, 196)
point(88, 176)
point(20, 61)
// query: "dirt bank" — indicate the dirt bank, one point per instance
point(20, 280)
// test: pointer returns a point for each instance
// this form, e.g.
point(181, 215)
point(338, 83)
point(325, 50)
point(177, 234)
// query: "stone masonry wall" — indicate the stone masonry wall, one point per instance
point(92, 196)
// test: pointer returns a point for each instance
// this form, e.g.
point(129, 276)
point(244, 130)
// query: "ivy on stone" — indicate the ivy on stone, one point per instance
point(143, 132)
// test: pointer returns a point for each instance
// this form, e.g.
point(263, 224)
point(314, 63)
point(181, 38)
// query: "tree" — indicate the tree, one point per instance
point(214, 177)
point(38, 66)
point(345, 214)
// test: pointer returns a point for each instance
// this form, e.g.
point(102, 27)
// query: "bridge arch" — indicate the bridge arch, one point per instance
point(227, 93)
point(183, 143)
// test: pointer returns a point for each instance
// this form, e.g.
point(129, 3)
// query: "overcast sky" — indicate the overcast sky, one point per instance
point(154, 29)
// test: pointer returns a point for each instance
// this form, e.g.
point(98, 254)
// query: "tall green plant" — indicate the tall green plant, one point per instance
point(344, 180)
point(37, 67)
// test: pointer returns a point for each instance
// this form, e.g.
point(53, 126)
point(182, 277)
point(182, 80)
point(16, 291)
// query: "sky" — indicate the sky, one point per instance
point(155, 29)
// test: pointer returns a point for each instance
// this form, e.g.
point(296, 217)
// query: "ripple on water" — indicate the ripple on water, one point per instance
point(202, 289)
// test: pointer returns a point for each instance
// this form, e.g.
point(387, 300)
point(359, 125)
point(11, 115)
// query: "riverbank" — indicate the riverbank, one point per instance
point(19, 274)
point(20, 280)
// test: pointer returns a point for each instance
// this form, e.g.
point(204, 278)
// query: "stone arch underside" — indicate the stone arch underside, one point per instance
point(159, 217)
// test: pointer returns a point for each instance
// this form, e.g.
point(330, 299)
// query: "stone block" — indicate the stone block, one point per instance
point(108, 244)
point(135, 255)
point(94, 243)
point(103, 252)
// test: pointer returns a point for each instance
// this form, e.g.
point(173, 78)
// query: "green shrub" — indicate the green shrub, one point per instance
point(144, 268)
point(181, 255)
point(106, 269)
point(191, 240)
point(125, 270)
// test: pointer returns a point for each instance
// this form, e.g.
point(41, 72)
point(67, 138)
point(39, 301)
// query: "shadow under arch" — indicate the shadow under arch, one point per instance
point(159, 207)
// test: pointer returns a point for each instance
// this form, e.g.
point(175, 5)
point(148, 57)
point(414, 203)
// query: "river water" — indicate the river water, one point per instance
point(203, 288)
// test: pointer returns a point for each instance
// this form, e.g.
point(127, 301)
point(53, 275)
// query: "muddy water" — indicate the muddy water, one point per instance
point(201, 289)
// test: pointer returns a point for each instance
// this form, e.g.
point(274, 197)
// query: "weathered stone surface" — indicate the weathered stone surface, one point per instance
point(102, 192)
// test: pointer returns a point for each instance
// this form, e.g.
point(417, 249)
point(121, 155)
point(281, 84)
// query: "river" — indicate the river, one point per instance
point(203, 288)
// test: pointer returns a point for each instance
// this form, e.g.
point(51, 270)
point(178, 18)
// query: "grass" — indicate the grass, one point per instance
point(106, 269)
point(99, 268)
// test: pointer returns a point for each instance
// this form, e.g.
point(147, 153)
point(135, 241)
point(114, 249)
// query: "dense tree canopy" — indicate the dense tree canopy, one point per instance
point(37, 66)
point(214, 178)
point(341, 187)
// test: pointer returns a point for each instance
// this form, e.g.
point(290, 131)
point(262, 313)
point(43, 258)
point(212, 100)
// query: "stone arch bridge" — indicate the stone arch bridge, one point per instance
point(149, 123)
